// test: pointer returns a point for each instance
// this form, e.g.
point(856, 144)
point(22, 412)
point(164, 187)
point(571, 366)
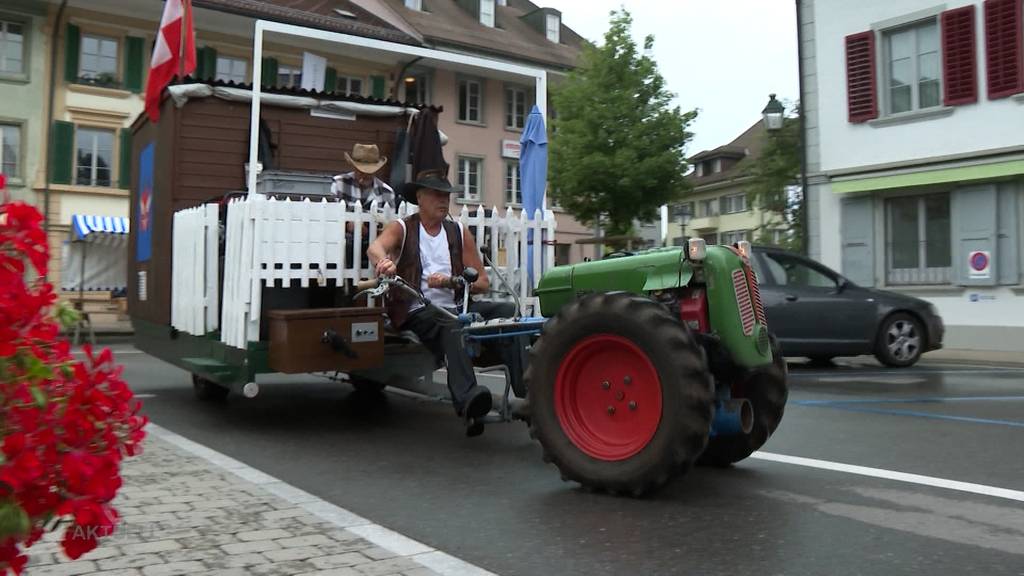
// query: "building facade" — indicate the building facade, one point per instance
point(102, 60)
point(915, 159)
point(23, 90)
point(717, 204)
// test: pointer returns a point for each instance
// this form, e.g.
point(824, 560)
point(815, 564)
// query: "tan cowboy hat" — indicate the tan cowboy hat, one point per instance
point(366, 158)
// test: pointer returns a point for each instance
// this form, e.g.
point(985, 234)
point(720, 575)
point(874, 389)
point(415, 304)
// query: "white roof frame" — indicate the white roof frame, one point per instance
point(539, 75)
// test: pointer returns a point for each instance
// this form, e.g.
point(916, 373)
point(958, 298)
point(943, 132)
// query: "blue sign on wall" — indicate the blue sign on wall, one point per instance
point(144, 238)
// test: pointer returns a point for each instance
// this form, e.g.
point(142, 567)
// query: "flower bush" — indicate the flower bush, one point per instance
point(65, 424)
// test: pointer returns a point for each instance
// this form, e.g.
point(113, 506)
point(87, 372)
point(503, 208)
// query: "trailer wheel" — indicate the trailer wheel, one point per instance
point(366, 386)
point(206, 390)
point(619, 392)
point(767, 393)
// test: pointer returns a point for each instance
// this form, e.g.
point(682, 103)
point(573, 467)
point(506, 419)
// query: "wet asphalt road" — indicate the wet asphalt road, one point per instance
point(404, 463)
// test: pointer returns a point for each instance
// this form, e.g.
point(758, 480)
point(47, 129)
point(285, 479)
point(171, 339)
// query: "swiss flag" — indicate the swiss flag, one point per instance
point(168, 54)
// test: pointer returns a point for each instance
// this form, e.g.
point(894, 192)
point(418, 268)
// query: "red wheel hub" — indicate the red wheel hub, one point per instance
point(608, 397)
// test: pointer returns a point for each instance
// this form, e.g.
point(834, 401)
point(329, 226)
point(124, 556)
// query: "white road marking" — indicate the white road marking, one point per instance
point(982, 489)
point(430, 558)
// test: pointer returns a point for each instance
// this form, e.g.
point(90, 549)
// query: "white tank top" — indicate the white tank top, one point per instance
point(435, 257)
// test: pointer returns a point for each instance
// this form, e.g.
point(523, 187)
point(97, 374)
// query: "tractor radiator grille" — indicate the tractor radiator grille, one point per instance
point(755, 292)
point(743, 300)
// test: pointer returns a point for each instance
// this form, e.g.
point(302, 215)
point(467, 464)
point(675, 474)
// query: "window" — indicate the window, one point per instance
point(734, 203)
point(708, 208)
point(912, 67)
point(734, 236)
point(350, 86)
point(788, 270)
point(417, 89)
point(469, 101)
point(231, 69)
point(553, 27)
point(717, 165)
point(515, 108)
point(710, 239)
point(10, 150)
point(487, 13)
point(469, 178)
point(12, 48)
point(513, 184)
point(414, 4)
point(98, 62)
point(778, 236)
point(918, 247)
point(289, 77)
point(94, 157)
point(700, 169)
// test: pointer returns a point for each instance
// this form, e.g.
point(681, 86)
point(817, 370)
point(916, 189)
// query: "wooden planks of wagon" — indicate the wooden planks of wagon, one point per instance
point(198, 154)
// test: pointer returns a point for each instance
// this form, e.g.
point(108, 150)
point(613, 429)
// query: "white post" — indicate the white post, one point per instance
point(254, 119)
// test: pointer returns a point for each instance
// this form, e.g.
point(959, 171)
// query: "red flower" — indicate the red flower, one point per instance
point(66, 424)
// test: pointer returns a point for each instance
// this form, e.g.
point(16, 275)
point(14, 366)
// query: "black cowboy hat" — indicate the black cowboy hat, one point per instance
point(432, 179)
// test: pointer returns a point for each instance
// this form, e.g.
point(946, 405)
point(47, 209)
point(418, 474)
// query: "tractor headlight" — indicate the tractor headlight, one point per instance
point(744, 247)
point(696, 249)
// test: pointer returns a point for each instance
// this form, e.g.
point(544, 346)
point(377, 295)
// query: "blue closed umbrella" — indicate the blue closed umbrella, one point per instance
point(533, 172)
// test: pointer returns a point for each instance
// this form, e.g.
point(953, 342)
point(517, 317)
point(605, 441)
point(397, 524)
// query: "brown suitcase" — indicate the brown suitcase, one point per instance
point(326, 339)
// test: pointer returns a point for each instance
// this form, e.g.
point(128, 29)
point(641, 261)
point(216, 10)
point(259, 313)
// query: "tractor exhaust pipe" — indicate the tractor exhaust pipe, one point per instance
point(733, 418)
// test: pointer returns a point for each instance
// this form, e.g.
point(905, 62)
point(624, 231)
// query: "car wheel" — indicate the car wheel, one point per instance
point(900, 342)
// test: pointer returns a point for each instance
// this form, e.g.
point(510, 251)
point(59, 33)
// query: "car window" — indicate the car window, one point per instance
point(790, 271)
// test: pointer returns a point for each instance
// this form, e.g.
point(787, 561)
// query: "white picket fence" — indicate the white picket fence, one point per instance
point(194, 270)
point(284, 243)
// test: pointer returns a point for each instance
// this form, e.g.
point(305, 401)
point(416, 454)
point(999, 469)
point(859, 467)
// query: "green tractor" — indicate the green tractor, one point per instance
point(649, 363)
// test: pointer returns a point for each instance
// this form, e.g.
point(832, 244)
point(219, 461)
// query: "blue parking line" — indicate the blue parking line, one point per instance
point(857, 406)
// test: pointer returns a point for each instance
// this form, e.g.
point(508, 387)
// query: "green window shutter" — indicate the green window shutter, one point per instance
point(200, 65)
point(330, 80)
point(125, 159)
point(72, 46)
point(269, 72)
point(133, 63)
point(378, 86)
point(62, 152)
point(209, 64)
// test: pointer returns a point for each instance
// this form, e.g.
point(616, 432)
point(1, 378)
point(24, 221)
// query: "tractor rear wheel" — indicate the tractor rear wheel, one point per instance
point(767, 393)
point(619, 392)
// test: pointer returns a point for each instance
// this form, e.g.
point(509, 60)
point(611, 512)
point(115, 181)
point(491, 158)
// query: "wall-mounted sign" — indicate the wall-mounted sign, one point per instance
point(979, 264)
point(510, 149)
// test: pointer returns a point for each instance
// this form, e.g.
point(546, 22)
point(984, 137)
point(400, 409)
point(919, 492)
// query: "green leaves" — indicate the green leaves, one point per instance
point(13, 520)
point(774, 174)
point(617, 152)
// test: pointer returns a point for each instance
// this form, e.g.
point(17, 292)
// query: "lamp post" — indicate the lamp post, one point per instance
point(773, 114)
point(682, 212)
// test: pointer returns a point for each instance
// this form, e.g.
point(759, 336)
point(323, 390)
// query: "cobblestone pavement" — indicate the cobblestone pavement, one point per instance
point(188, 510)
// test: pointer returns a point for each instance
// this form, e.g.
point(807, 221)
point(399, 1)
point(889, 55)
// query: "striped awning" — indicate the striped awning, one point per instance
point(83, 225)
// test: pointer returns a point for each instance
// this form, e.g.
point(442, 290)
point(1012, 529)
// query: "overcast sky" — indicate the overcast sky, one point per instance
point(721, 57)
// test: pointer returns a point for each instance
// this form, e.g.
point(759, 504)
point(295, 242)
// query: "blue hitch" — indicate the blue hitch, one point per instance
point(732, 417)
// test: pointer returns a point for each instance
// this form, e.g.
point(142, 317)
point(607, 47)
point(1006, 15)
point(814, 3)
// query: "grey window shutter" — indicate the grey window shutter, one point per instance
point(1007, 253)
point(974, 228)
point(857, 225)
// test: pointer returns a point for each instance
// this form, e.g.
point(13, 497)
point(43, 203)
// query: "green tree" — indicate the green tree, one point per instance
point(617, 147)
point(775, 183)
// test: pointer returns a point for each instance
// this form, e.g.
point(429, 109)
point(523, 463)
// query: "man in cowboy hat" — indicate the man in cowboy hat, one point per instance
point(361, 184)
point(428, 249)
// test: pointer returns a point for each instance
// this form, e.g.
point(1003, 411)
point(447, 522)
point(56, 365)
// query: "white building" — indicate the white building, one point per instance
point(915, 154)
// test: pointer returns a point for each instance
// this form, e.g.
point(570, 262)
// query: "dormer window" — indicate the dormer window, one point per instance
point(414, 5)
point(717, 166)
point(487, 13)
point(553, 27)
point(700, 169)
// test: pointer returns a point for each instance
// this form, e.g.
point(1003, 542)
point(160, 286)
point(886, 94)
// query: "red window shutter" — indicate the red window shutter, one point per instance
point(959, 62)
point(861, 94)
point(1003, 50)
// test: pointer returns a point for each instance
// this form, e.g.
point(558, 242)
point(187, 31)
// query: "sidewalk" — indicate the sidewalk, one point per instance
point(188, 510)
point(975, 357)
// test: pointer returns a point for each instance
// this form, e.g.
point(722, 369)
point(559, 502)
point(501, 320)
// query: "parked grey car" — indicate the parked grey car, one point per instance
point(817, 313)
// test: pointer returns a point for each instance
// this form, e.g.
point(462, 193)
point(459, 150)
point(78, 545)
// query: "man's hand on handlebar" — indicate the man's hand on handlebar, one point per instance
point(385, 267)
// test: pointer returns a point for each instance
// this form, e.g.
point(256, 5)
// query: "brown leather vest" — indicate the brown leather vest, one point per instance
point(410, 266)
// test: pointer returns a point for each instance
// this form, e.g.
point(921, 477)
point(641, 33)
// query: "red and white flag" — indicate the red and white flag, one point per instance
point(168, 53)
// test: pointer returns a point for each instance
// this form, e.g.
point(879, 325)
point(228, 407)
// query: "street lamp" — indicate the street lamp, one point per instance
point(773, 114)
